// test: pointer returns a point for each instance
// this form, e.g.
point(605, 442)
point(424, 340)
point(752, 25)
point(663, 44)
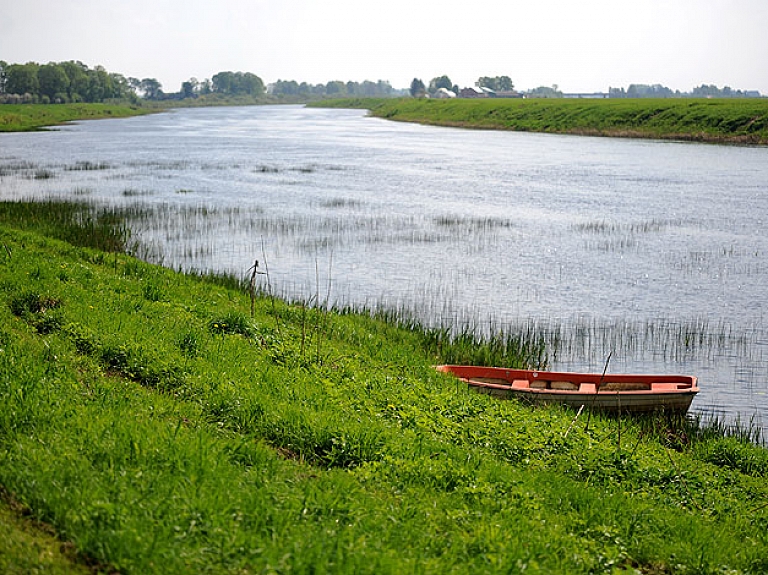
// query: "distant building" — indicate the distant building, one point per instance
point(474, 92)
point(444, 94)
point(482, 92)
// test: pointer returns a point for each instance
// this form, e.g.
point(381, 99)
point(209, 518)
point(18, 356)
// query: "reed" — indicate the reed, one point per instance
point(78, 223)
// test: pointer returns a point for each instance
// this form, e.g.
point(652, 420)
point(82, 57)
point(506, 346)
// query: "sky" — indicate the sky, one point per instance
point(580, 46)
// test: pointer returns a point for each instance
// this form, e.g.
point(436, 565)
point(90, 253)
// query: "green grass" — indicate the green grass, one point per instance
point(27, 117)
point(156, 425)
point(29, 547)
point(739, 121)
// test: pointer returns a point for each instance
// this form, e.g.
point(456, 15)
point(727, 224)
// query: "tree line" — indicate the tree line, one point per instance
point(73, 82)
point(62, 82)
point(659, 91)
point(335, 88)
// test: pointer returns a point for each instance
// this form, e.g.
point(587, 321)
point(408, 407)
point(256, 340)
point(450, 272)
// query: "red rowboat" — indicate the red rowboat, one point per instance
point(606, 392)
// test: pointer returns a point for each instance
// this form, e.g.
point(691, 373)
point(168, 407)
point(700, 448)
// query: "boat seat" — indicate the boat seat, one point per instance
point(521, 384)
point(588, 388)
point(667, 386)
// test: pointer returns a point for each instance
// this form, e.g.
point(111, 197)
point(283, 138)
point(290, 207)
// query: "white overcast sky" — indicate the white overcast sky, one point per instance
point(584, 45)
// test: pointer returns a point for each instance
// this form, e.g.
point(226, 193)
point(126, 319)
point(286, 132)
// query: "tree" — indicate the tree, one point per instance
point(53, 81)
point(151, 88)
point(496, 83)
point(189, 88)
point(22, 79)
point(546, 92)
point(100, 85)
point(440, 82)
point(417, 88)
point(77, 72)
point(335, 87)
point(234, 83)
point(286, 88)
point(251, 84)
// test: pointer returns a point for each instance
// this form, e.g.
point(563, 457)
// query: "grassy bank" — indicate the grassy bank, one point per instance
point(161, 423)
point(718, 121)
point(27, 117)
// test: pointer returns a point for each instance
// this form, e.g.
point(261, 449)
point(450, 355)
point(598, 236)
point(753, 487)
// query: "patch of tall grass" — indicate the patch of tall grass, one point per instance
point(79, 223)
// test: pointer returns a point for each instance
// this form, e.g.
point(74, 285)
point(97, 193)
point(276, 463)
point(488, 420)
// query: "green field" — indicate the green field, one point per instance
point(734, 121)
point(164, 423)
point(27, 117)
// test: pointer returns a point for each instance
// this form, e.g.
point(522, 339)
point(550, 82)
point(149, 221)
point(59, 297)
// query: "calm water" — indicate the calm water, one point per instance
point(652, 251)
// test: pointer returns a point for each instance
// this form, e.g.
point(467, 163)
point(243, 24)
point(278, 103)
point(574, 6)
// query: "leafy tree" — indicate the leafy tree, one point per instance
point(100, 85)
point(234, 83)
point(22, 79)
point(496, 83)
point(190, 88)
point(222, 82)
point(417, 88)
point(440, 82)
point(250, 84)
point(335, 88)
point(546, 92)
point(77, 72)
point(206, 87)
point(53, 82)
point(152, 88)
point(285, 88)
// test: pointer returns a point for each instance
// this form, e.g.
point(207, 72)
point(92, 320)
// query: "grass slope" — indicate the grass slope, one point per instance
point(28, 117)
point(156, 424)
point(735, 121)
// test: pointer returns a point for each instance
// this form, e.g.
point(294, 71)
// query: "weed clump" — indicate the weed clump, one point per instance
point(232, 323)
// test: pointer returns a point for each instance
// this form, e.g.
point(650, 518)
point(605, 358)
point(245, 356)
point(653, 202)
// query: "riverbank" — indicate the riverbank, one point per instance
point(28, 117)
point(31, 117)
point(733, 121)
point(166, 423)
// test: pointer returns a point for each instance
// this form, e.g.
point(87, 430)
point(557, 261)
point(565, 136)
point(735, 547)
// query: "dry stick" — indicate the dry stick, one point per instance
point(573, 422)
point(269, 288)
point(597, 389)
point(252, 285)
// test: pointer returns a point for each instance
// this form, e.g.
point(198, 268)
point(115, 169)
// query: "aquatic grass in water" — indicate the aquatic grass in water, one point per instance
point(88, 166)
point(79, 223)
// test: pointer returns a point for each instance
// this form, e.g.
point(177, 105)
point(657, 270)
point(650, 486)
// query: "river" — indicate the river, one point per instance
point(650, 252)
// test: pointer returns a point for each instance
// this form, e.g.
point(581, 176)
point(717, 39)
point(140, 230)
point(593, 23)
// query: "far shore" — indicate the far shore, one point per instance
point(721, 121)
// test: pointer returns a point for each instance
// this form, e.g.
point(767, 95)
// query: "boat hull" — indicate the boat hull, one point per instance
point(605, 392)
